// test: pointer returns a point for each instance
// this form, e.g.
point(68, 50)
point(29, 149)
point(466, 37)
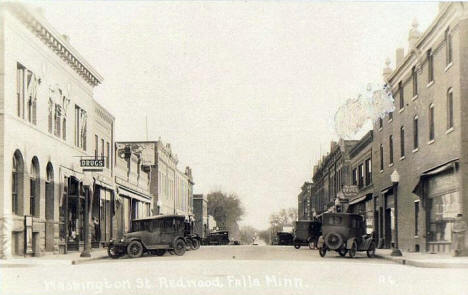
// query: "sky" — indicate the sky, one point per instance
point(244, 91)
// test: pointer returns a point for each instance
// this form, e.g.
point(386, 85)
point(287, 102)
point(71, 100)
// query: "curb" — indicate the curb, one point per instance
point(423, 264)
point(84, 260)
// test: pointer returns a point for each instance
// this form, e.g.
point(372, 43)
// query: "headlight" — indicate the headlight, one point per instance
point(122, 240)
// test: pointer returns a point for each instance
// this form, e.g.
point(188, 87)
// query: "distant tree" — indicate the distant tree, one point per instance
point(265, 235)
point(226, 209)
point(248, 234)
point(282, 218)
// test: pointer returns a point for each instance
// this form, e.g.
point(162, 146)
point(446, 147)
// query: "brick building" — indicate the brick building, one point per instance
point(304, 207)
point(362, 202)
point(200, 213)
point(330, 175)
point(426, 138)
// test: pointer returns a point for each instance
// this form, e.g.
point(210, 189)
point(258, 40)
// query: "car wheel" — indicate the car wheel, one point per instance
point(312, 245)
point(297, 246)
point(179, 247)
point(322, 251)
point(196, 244)
point(353, 250)
point(188, 245)
point(342, 252)
point(113, 252)
point(134, 249)
point(171, 252)
point(371, 250)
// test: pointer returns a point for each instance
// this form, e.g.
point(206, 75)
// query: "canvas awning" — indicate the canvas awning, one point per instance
point(360, 199)
point(433, 171)
point(134, 195)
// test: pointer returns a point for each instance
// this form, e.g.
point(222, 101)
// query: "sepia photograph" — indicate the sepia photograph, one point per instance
point(210, 147)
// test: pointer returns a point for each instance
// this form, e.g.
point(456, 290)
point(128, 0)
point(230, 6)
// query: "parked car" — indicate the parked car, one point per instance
point(155, 234)
point(306, 233)
point(220, 237)
point(285, 238)
point(345, 233)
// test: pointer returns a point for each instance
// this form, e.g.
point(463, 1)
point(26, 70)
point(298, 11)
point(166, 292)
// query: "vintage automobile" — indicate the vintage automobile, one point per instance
point(155, 234)
point(306, 233)
point(285, 238)
point(220, 237)
point(345, 233)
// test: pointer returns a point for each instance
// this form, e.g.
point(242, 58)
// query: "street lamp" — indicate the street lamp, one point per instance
point(395, 177)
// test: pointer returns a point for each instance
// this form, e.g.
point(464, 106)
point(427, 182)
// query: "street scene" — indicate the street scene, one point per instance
point(233, 147)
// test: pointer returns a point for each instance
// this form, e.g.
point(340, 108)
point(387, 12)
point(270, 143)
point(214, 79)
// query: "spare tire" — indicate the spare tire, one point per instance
point(333, 241)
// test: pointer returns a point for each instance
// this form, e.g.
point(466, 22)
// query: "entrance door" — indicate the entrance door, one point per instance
point(388, 228)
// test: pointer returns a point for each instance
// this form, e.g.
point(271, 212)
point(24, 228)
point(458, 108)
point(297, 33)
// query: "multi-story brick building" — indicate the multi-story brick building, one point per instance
point(200, 213)
point(48, 120)
point(132, 179)
point(304, 211)
point(172, 189)
point(362, 201)
point(330, 175)
point(426, 138)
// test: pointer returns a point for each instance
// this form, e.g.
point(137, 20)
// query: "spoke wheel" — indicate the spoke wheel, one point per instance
point(353, 250)
point(371, 250)
point(135, 249)
point(179, 247)
point(297, 246)
point(196, 244)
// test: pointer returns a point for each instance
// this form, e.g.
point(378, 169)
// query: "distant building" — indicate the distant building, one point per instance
point(171, 189)
point(304, 202)
point(330, 175)
point(362, 201)
point(132, 180)
point(200, 212)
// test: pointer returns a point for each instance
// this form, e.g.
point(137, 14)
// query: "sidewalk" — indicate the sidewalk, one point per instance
point(425, 259)
point(54, 259)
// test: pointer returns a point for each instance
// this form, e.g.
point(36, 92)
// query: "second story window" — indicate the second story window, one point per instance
point(361, 175)
point(401, 95)
point(448, 47)
point(431, 122)
point(58, 120)
point(355, 176)
point(449, 108)
point(102, 149)
point(414, 77)
point(430, 66)
point(81, 119)
point(20, 90)
point(381, 158)
point(107, 154)
point(96, 146)
point(390, 148)
point(415, 132)
point(402, 141)
point(368, 164)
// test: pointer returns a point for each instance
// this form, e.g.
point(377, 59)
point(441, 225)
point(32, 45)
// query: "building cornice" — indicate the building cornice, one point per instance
point(55, 41)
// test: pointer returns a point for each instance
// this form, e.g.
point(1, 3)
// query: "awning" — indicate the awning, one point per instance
point(134, 195)
point(386, 190)
point(358, 200)
point(433, 171)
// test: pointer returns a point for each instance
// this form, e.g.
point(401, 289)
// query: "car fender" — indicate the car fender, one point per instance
point(321, 242)
point(349, 243)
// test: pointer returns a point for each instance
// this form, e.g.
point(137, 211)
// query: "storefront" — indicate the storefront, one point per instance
point(441, 198)
point(364, 205)
point(384, 222)
point(130, 205)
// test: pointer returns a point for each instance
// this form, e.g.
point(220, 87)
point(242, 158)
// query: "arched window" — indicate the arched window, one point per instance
point(49, 193)
point(34, 184)
point(16, 183)
point(64, 129)
point(449, 108)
